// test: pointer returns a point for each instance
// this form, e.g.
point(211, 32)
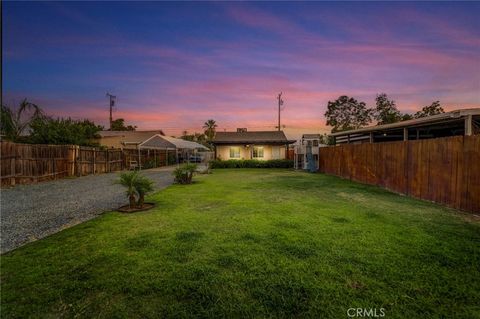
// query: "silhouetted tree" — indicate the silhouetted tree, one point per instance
point(210, 128)
point(346, 113)
point(16, 122)
point(119, 125)
point(386, 111)
point(429, 110)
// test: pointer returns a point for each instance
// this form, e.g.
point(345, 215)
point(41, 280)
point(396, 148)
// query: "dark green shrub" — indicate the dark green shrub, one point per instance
point(150, 164)
point(280, 163)
point(184, 173)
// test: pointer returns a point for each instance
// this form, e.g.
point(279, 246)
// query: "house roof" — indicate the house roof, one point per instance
point(254, 137)
point(130, 137)
point(452, 115)
point(166, 142)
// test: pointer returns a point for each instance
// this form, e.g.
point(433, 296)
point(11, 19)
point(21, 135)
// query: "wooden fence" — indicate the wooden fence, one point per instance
point(31, 163)
point(443, 170)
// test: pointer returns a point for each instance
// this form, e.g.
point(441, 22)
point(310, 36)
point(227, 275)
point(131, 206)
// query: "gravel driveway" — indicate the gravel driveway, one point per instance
point(31, 212)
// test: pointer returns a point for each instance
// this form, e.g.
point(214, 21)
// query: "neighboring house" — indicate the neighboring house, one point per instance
point(260, 145)
point(306, 151)
point(460, 122)
point(185, 151)
point(125, 139)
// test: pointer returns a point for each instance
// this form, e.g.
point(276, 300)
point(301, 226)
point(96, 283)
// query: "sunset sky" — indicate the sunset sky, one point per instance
point(175, 65)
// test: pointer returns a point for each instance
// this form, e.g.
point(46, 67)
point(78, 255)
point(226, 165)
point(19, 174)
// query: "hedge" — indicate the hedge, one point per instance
point(280, 163)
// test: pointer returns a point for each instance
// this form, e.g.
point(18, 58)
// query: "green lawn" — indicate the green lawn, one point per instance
point(254, 243)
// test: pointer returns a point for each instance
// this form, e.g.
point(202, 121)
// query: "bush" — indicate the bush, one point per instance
point(184, 173)
point(279, 163)
point(143, 185)
point(152, 163)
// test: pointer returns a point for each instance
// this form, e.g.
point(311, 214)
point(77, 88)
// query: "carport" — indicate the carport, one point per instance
point(184, 150)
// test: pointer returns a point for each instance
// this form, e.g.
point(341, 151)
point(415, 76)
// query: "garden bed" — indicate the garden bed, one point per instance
point(128, 209)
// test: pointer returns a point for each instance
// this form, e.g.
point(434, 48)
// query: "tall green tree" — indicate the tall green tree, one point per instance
point(16, 122)
point(429, 110)
point(346, 113)
point(119, 125)
point(210, 128)
point(386, 111)
point(47, 130)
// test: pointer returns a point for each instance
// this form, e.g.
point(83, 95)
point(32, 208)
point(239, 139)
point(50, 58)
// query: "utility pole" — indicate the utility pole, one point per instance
point(112, 104)
point(280, 103)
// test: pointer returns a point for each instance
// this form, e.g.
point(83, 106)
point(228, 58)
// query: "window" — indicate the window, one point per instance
point(309, 143)
point(235, 152)
point(257, 151)
point(315, 142)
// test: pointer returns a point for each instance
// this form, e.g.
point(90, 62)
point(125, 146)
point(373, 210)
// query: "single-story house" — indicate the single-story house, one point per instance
point(125, 139)
point(260, 145)
point(459, 122)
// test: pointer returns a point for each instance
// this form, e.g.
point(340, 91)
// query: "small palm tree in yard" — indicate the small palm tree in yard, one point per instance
point(128, 180)
point(143, 185)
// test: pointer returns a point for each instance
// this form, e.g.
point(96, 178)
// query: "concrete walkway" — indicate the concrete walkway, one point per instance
point(31, 212)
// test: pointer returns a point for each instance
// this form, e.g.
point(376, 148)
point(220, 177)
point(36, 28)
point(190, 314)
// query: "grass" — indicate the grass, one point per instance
point(254, 243)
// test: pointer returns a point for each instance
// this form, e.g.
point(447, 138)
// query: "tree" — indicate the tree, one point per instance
point(16, 122)
point(210, 128)
point(119, 125)
point(187, 137)
point(200, 138)
point(429, 110)
point(326, 139)
point(47, 130)
point(346, 113)
point(386, 111)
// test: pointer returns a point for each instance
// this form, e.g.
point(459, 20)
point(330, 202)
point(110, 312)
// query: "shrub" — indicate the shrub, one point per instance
point(143, 185)
point(184, 173)
point(135, 183)
point(278, 163)
point(151, 163)
point(128, 180)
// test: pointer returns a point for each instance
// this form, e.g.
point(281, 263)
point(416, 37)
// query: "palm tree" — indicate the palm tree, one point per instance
point(128, 180)
point(143, 185)
point(14, 122)
point(210, 127)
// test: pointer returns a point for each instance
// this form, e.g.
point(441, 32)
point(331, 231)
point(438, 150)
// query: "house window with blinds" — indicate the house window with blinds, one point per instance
point(258, 152)
point(235, 152)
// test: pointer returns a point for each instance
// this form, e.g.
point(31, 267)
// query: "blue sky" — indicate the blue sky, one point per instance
point(174, 65)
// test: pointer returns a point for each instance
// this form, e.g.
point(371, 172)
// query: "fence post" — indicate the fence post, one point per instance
point(94, 161)
point(107, 164)
point(14, 170)
point(54, 164)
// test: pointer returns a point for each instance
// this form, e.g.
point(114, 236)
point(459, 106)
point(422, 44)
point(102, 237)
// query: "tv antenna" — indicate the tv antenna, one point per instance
point(112, 104)
point(280, 108)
